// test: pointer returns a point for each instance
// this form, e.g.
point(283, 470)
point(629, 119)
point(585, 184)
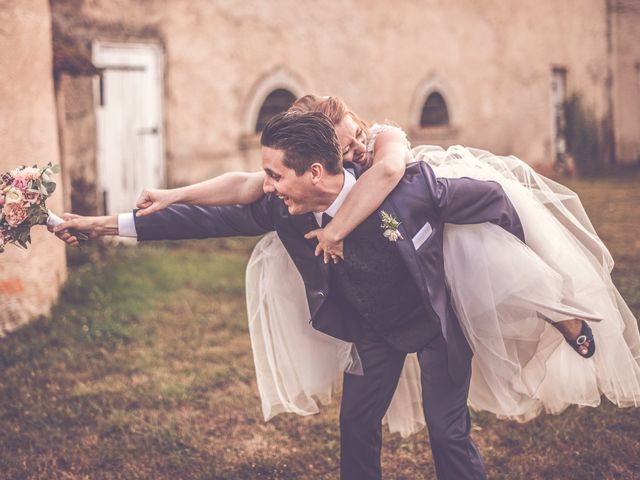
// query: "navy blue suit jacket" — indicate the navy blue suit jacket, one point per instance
point(422, 203)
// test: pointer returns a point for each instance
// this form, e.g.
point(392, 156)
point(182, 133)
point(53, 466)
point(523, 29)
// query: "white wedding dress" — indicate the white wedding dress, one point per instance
point(505, 293)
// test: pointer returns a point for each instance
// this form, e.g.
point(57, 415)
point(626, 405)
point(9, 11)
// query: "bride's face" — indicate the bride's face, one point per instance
point(352, 140)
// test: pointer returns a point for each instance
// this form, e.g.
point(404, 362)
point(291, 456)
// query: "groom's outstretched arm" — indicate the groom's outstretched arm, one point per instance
point(191, 221)
point(177, 222)
point(466, 200)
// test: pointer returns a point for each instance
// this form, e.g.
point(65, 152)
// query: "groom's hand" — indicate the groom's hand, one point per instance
point(90, 226)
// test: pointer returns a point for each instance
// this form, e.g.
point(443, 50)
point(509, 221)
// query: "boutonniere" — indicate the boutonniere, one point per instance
point(390, 226)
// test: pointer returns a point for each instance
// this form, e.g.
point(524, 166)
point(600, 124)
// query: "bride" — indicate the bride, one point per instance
point(516, 303)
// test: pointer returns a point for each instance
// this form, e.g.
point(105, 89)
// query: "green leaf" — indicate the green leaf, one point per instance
point(50, 187)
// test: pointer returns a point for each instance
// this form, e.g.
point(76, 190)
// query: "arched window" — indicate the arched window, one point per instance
point(434, 111)
point(277, 101)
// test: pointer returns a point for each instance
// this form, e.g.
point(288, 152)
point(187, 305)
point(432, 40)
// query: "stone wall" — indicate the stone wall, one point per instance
point(491, 60)
point(78, 137)
point(29, 280)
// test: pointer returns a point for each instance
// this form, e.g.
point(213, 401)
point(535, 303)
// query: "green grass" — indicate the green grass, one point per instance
point(144, 371)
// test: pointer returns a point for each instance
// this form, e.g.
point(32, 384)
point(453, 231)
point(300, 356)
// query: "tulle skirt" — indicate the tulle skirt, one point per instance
point(506, 294)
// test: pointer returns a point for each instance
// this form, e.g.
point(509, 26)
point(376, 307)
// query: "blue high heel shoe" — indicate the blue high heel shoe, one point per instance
point(586, 335)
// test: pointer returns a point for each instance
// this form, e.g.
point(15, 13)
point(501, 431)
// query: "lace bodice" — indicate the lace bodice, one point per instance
point(375, 130)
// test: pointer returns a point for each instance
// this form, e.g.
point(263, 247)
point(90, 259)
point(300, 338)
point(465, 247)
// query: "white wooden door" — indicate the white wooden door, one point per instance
point(129, 122)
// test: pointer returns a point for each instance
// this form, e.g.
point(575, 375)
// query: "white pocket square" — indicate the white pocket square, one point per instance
point(422, 235)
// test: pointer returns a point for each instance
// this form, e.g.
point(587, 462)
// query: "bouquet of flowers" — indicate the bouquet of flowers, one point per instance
point(23, 192)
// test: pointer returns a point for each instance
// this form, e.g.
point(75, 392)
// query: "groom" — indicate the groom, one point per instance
point(388, 296)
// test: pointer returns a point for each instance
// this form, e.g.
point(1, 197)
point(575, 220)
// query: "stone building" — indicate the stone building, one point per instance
point(184, 86)
point(29, 280)
point(133, 94)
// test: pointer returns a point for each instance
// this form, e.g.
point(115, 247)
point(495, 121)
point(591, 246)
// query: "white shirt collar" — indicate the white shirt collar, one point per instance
point(349, 182)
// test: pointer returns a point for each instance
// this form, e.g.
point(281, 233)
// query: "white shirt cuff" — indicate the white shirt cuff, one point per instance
point(126, 225)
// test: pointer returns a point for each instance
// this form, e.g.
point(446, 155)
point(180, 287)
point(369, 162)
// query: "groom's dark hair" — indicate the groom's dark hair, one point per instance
point(306, 138)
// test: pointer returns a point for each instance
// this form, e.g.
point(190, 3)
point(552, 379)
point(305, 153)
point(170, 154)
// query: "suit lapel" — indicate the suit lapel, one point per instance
point(304, 224)
point(412, 261)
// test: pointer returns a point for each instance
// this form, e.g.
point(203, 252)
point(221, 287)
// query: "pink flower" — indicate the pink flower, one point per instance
point(20, 183)
point(31, 196)
point(15, 214)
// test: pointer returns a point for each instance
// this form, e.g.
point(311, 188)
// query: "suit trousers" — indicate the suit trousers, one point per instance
point(365, 400)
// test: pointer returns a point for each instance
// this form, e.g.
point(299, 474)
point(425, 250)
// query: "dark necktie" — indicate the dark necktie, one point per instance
point(326, 219)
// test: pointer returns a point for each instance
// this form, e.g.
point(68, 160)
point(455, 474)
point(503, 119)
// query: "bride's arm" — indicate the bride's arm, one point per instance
point(389, 161)
point(227, 189)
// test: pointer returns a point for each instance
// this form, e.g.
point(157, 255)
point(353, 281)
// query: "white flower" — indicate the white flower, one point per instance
point(390, 226)
point(392, 235)
point(13, 195)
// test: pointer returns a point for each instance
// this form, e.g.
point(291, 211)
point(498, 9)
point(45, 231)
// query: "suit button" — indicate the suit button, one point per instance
point(321, 294)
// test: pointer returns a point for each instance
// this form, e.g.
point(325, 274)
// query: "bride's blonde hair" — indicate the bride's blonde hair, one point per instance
point(332, 107)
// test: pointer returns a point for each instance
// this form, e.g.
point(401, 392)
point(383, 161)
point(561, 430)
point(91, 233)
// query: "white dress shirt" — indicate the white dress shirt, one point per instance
point(349, 182)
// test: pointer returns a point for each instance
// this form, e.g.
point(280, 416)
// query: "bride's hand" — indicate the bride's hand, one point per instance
point(330, 248)
point(152, 200)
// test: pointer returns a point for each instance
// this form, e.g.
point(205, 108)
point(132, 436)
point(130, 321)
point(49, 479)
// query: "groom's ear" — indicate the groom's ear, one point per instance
point(317, 171)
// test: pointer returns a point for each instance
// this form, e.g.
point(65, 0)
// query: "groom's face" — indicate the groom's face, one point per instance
point(295, 191)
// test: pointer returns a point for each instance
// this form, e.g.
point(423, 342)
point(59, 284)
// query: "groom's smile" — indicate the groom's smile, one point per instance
point(295, 191)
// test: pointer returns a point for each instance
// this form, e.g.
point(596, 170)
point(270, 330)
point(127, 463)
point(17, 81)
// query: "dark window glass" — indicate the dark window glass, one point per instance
point(434, 111)
point(277, 101)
